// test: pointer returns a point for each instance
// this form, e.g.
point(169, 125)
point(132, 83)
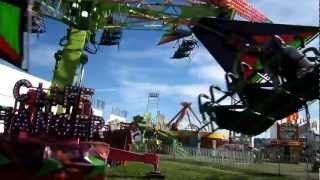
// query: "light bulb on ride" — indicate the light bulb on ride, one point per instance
point(84, 14)
point(75, 5)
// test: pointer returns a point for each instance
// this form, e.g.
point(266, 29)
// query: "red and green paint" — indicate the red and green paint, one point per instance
point(11, 32)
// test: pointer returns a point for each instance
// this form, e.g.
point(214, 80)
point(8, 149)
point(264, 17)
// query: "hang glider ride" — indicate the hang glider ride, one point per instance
point(263, 68)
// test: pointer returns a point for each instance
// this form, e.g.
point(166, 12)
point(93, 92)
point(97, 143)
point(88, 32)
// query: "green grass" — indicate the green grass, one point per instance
point(291, 171)
point(191, 170)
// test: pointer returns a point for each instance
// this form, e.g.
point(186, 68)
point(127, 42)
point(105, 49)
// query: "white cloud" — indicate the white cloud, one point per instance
point(134, 95)
point(289, 11)
point(199, 55)
point(106, 90)
point(151, 53)
point(206, 68)
point(185, 90)
point(136, 92)
point(202, 56)
point(213, 73)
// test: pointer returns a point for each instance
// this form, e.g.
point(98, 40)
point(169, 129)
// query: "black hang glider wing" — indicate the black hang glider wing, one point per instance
point(225, 38)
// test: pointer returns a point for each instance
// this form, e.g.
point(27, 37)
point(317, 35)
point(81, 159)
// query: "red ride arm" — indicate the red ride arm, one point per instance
point(123, 155)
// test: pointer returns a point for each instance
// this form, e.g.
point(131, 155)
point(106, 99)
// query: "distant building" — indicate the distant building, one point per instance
point(287, 147)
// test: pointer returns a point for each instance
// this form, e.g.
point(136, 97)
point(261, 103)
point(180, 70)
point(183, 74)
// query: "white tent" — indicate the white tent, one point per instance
point(9, 75)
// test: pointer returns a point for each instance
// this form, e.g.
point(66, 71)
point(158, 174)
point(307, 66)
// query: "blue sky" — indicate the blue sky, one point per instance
point(140, 66)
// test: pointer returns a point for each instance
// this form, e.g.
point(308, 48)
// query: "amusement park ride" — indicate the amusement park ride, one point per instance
point(266, 75)
point(186, 112)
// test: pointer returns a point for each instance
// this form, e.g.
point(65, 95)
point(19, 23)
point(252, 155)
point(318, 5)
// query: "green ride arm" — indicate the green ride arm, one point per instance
point(71, 58)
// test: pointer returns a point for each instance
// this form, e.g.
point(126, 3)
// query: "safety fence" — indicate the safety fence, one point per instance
point(248, 161)
point(201, 154)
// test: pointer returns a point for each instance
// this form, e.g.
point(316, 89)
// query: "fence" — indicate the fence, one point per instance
point(201, 154)
point(248, 161)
